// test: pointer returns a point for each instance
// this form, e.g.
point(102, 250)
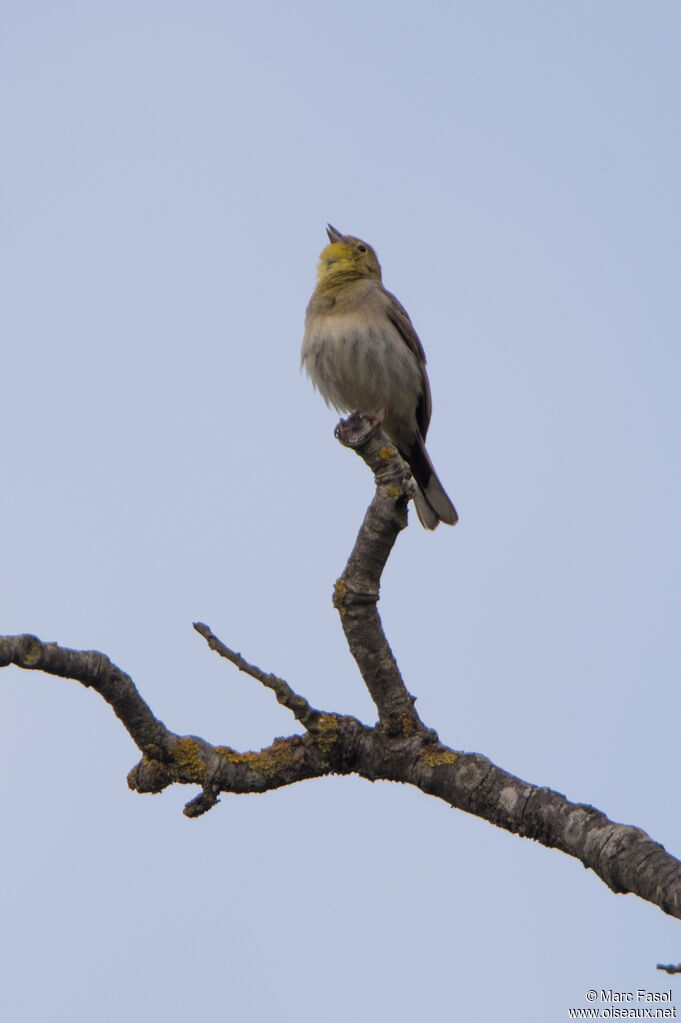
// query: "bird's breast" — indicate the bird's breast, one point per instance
point(359, 361)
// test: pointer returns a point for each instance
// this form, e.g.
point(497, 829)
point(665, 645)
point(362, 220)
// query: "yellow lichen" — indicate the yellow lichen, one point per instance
point(438, 757)
point(267, 762)
point(228, 753)
point(32, 652)
point(339, 593)
point(186, 755)
point(152, 752)
point(403, 724)
point(326, 733)
point(386, 454)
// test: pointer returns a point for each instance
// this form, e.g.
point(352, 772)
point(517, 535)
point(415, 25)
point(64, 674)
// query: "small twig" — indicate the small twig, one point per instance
point(298, 705)
point(202, 803)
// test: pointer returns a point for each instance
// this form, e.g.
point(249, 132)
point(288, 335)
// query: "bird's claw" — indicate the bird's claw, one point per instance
point(357, 429)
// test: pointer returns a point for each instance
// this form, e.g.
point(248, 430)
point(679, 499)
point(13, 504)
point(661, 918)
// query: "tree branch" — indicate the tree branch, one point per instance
point(399, 748)
point(356, 593)
point(298, 705)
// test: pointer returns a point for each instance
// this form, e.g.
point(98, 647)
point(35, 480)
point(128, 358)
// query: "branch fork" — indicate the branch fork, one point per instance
point(400, 747)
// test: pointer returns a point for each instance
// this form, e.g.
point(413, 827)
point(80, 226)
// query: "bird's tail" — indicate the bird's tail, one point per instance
point(431, 501)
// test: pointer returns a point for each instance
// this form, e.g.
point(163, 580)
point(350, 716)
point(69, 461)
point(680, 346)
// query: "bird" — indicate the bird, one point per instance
point(363, 355)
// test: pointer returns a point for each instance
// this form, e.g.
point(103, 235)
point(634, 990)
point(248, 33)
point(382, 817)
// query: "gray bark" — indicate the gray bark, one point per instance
point(398, 748)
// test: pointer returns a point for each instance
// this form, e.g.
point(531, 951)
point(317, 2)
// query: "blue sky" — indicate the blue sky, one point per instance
point(168, 173)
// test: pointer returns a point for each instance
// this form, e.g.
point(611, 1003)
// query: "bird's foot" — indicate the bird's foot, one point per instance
point(358, 428)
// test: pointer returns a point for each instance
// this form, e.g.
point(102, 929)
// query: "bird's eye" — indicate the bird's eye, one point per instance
point(362, 248)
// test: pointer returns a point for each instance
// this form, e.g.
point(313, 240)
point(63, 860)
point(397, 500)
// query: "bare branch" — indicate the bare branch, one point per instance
point(97, 672)
point(400, 748)
point(356, 593)
point(624, 857)
point(298, 705)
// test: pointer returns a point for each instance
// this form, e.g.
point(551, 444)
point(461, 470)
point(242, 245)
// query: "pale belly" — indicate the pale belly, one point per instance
point(357, 367)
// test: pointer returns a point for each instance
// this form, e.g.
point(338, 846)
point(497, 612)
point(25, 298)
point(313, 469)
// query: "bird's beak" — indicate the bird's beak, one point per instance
point(334, 235)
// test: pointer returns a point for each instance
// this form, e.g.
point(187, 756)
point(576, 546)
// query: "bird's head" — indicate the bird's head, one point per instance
point(346, 259)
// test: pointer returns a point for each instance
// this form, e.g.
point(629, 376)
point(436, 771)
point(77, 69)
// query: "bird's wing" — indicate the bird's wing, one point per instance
point(399, 316)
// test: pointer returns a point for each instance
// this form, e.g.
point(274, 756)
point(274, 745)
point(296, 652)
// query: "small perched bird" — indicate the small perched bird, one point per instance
point(362, 353)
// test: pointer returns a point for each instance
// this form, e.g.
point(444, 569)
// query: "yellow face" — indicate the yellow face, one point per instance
point(345, 260)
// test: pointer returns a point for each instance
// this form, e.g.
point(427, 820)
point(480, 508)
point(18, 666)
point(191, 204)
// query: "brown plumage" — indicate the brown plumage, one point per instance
point(362, 353)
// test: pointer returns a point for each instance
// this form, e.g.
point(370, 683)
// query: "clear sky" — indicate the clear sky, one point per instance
point(168, 169)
